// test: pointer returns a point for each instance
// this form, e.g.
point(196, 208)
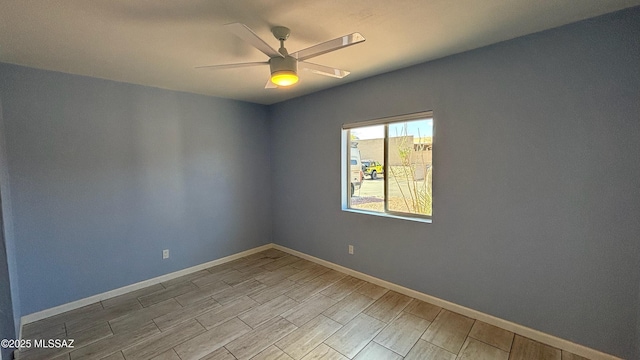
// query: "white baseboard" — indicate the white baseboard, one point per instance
point(533, 334)
point(125, 289)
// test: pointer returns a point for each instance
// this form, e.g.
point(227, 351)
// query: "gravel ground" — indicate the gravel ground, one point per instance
point(377, 204)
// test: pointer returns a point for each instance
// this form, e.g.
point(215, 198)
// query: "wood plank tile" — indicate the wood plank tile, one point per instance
point(374, 351)
point(165, 294)
point(307, 337)
point(51, 322)
point(253, 265)
point(242, 289)
point(43, 354)
point(355, 335)
point(219, 269)
point(211, 340)
point(527, 349)
point(228, 265)
point(102, 316)
point(332, 276)
point(371, 290)
point(82, 338)
point(245, 259)
point(477, 350)
point(204, 292)
point(423, 309)
point(270, 277)
point(324, 352)
point(185, 278)
point(308, 274)
point(19, 355)
point(272, 353)
point(269, 253)
point(272, 292)
point(492, 335)
point(167, 355)
point(303, 264)
point(569, 356)
point(114, 301)
point(448, 331)
point(275, 277)
point(136, 318)
point(156, 344)
point(208, 279)
point(402, 333)
point(115, 356)
point(260, 338)
point(185, 314)
point(308, 310)
point(342, 288)
point(62, 357)
point(348, 308)
point(40, 353)
point(253, 270)
point(424, 350)
point(43, 330)
point(225, 312)
point(281, 262)
point(112, 344)
point(77, 313)
point(236, 277)
point(388, 306)
point(275, 254)
point(220, 354)
point(309, 289)
point(254, 256)
point(92, 334)
point(267, 311)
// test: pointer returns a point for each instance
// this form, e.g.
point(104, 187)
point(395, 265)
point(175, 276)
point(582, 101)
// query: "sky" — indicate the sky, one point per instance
point(421, 127)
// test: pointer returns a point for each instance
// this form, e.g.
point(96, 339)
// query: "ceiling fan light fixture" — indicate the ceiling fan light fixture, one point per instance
point(284, 78)
point(284, 66)
point(284, 70)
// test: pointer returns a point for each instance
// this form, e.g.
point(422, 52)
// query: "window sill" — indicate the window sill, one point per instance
point(391, 216)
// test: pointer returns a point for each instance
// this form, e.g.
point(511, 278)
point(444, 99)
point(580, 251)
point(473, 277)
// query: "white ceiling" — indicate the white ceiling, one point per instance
point(158, 43)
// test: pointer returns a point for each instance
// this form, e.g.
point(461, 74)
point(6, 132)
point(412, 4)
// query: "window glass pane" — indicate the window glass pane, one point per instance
point(410, 170)
point(367, 146)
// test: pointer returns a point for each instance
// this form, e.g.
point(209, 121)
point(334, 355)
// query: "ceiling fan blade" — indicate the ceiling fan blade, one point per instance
point(328, 46)
point(230, 66)
point(323, 70)
point(270, 85)
point(243, 32)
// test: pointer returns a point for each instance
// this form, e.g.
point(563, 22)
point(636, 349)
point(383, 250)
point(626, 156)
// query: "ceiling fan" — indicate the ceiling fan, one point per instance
point(284, 66)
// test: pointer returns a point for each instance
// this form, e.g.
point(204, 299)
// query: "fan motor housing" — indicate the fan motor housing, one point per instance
point(281, 33)
point(287, 63)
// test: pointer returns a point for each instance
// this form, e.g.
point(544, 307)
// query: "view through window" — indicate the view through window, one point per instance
point(391, 167)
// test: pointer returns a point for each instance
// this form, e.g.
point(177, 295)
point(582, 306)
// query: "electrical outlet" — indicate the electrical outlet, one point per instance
point(165, 254)
point(351, 249)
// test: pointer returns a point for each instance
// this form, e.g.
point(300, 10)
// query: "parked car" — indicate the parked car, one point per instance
point(356, 170)
point(372, 168)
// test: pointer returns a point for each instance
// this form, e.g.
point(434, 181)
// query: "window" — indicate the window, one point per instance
point(390, 167)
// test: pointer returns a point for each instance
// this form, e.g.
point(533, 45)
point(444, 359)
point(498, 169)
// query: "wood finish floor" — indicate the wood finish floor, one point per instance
point(272, 305)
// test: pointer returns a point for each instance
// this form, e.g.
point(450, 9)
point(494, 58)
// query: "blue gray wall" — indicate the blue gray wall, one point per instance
point(103, 176)
point(7, 329)
point(536, 180)
point(9, 292)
